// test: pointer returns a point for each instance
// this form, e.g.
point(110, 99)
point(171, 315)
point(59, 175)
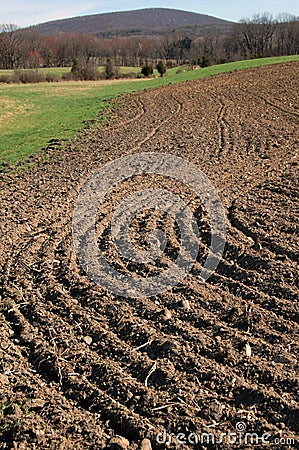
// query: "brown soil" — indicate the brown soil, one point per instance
point(75, 359)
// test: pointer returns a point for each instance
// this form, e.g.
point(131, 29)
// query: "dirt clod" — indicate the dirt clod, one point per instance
point(145, 444)
point(118, 443)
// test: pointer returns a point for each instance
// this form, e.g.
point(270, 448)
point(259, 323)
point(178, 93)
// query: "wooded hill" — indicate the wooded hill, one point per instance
point(149, 21)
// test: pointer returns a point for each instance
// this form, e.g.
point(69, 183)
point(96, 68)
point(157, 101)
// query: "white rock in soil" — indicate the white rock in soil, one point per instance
point(248, 350)
point(186, 304)
point(167, 314)
point(87, 340)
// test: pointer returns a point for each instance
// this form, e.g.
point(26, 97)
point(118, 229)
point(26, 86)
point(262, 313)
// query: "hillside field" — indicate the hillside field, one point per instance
point(82, 367)
point(31, 115)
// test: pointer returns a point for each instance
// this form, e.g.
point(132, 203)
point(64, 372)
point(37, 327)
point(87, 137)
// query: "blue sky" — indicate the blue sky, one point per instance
point(30, 12)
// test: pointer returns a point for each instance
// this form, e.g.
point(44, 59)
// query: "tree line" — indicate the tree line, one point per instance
point(259, 36)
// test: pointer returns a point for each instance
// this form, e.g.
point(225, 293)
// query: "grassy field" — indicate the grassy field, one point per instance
point(54, 70)
point(32, 114)
point(59, 71)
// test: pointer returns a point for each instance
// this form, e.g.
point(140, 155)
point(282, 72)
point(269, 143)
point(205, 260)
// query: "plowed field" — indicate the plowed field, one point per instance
point(80, 365)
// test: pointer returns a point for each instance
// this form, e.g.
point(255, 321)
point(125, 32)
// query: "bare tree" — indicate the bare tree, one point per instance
point(11, 46)
point(287, 34)
point(255, 35)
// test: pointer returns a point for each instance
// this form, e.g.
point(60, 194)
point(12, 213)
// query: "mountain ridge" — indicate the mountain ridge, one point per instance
point(138, 21)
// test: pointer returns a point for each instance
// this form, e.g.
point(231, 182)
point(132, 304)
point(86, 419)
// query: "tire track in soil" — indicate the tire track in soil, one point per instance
point(226, 141)
point(155, 130)
point(195, 334)
point(277, 106)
